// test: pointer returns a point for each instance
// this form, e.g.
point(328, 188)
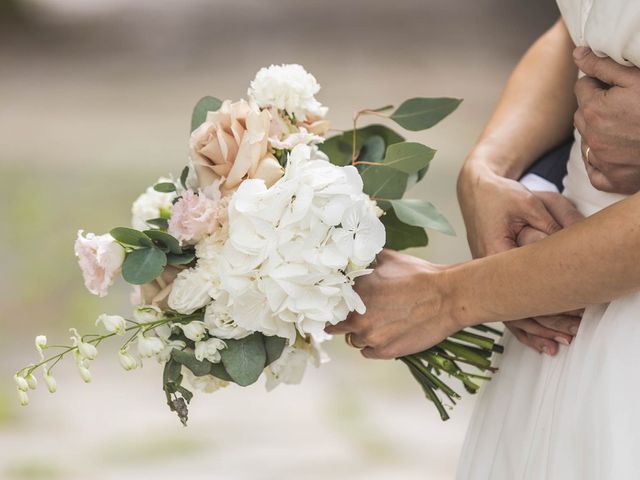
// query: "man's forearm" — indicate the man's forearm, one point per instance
point(535, 111)
point(591, 262)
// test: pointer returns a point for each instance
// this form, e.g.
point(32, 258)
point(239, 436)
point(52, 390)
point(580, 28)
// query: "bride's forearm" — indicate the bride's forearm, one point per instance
point(593, 261)
point(535, 111)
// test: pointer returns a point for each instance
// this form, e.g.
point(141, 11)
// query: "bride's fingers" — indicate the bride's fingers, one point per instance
point(561, 323)
point(532, 327)
point(538, 343)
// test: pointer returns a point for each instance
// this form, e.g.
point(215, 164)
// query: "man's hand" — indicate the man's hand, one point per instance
point(608, 119)
point(545, 333)
point(496, 210)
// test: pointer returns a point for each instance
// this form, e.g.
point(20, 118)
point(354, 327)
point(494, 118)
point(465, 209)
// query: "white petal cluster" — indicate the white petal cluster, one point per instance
point(290, 367)
point(294, 249)
point(287, 87)
point(151, 204)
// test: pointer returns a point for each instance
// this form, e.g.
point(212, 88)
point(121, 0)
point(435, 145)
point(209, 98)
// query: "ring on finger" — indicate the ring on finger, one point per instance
point(586, 156)
point(349, 340)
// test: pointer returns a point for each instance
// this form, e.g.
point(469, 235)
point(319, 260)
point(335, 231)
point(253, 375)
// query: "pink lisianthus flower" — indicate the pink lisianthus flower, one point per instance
point(100, 258)
point(198, 215)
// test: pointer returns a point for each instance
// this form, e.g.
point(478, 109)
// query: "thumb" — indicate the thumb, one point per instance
point(541, 219)
point(604, 69)
point(561, 208)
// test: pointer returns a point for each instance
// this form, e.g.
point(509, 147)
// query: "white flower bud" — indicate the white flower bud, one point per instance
point(149, 346)
point(127, 361)
point(31, 381)
point(24, 398)
point(85, 374)
point(112, 323)
point(147, 314)
point(41, 343)
point(194, 331)
point(85, 350)
point(209, 350)
point(52, 386)
point(22, 384)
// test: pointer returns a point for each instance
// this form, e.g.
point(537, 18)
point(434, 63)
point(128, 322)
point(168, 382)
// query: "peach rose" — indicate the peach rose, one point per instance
point(233, 144)
point(100, 258)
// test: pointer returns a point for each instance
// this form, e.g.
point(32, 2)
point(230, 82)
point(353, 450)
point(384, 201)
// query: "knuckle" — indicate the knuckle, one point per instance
point(386, 352)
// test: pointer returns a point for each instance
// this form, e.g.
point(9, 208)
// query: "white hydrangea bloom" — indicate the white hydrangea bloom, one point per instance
point(151, 204)
point(294, 249)
point(287, 87)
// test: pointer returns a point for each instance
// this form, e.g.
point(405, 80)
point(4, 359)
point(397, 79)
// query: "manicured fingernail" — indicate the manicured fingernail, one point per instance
point(573, 330)
point(580, 52)
point(561, 340)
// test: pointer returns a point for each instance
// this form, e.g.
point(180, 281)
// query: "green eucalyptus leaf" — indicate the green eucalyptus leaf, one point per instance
point(180, 259)
point(143, 265)
point(244, 359)
point(384, 182)
point(408, 157)
point(183, 176)
point(186, 394)
point(189, 360)
point(421, 213)
point(422, 113)
point(382, 109)
point(162, 223)
point(372, 149)
point(339, 148)
point(165, 239)
point(165, 187)
point(171, 376)
point(204, 105)
point(400, 235)
point(132, 237)
point(274, 346)
point(218, 371)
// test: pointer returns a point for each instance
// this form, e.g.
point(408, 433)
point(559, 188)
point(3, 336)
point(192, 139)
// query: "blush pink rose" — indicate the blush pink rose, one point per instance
point(198, 215)
point(100, 258)
point(232, 145)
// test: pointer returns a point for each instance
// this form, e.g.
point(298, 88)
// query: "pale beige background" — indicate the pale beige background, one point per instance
point(95, 99)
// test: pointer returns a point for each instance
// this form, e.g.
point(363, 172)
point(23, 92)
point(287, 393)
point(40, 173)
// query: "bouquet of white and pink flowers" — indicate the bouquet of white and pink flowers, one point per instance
point(240, 263)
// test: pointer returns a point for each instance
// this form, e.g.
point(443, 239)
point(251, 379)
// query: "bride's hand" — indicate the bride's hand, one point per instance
point(405, 308)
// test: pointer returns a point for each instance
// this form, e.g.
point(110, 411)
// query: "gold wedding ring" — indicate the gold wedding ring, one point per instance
point(347, 338)
point(586, 156)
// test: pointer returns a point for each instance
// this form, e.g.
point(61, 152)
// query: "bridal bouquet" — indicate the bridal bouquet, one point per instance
point(240, 263)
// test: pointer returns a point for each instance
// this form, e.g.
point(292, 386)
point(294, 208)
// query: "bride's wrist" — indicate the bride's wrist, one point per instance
point(458, 292)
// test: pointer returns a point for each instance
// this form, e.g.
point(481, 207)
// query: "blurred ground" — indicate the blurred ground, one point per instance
point(95, 100)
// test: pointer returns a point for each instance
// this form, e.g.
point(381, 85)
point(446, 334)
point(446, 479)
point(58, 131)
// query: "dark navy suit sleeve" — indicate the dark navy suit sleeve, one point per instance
point(552, 166)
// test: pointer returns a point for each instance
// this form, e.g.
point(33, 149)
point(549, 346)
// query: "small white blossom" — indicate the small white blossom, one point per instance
point(165, 354)
point(151, 204)
point(147, 314)
point(31, 381)
point(23, 397)
point(209, 350)
point(41, 344)
point(127, 360)
point(290, 367)
point(194, 330)
point(85, 350)
point(112, 323)
point(149, 346)
point(21, 383)
point(207, 383)
point(221, 324)
point(85, 374)
point(52, 386)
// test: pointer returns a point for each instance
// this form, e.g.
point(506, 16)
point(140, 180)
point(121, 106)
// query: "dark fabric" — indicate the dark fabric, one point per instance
point(552, 166)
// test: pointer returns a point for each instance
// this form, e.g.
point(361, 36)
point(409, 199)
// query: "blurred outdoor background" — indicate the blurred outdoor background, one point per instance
point(95, 104)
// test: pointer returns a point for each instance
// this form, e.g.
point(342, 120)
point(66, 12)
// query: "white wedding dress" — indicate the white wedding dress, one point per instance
point(575, 416)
